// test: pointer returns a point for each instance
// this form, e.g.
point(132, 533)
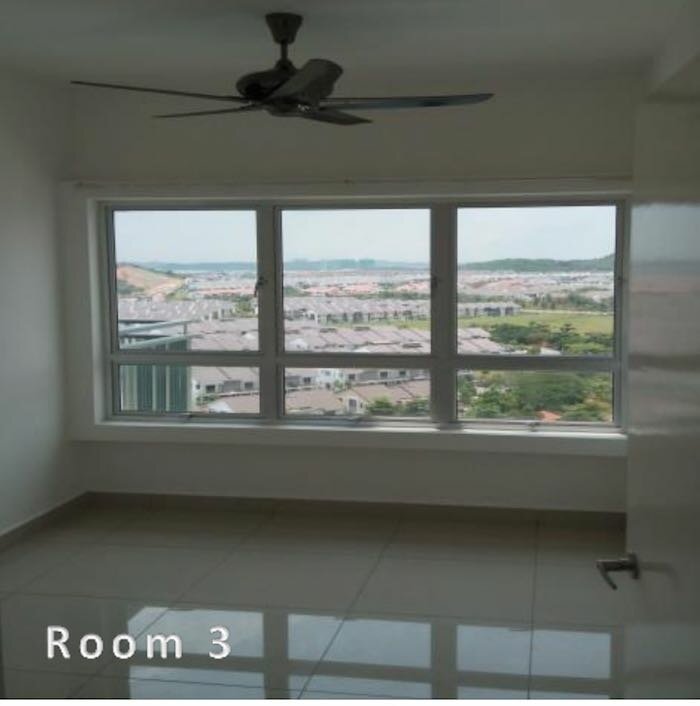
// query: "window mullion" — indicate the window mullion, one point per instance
point(443, 258)
point(621, 302)
point(268, 314)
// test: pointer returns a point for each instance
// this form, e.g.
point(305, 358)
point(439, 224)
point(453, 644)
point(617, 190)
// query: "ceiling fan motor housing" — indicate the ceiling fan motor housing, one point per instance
point(284, 26)
point(257, 86)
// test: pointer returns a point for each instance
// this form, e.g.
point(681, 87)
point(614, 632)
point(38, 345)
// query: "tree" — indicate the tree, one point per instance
point(534, 392)
point(589, 411)
point(381, 406)
point(565, 337)
point(533, 335)
point(415, 408)
point(244, 306)
point(494, 402)
point(465, 390)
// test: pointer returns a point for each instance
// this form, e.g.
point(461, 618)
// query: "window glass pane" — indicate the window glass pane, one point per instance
point(536, 280)
point(353, 392)
point(357, 280)
point(182, 388)
point(535, 396)
point(186, 279)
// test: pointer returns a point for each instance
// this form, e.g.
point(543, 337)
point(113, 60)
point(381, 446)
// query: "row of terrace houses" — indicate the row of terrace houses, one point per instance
point(218, 380)
point(354, 400)
point(330, 310)
point(350, 310)
point(473, 309)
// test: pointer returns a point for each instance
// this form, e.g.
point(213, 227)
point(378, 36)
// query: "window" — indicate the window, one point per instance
point(357, 280)
point(436, 313)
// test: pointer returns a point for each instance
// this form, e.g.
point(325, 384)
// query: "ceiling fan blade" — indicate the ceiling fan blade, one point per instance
point(164, 91)
point(313, 81)
point(389, 103)
point(328, 115)
point(242, 109)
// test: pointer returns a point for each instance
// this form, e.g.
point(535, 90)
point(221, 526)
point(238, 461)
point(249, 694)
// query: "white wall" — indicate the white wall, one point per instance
point(374, 475)
point(529, 130)
point(555, 130)
point(35, 467)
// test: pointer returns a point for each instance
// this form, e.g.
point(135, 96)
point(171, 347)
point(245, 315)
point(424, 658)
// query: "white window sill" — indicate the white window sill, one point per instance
point(607, 442)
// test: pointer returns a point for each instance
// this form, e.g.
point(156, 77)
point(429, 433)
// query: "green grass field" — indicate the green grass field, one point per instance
point(583, 322)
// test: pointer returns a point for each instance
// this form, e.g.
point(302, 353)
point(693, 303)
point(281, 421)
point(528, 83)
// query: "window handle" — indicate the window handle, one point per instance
point(628, 562)
point(260, 282)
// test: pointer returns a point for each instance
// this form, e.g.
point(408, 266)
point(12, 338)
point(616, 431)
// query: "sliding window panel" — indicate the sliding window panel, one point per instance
point(356, 280)
point(184, 280)
point(357, 392)
point(157, 388)
point(536, 280)
point(535, 396)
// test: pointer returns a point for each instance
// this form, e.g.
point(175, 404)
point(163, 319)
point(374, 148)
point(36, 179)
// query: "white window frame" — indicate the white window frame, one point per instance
point(443, 361)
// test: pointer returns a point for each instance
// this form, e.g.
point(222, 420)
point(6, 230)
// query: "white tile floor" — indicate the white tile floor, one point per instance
point(322, 603)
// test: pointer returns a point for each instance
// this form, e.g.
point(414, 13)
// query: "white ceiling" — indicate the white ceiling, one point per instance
point(382, 44)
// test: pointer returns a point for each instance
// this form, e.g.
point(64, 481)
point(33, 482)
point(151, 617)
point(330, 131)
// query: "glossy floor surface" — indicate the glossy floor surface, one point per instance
point(318, 602)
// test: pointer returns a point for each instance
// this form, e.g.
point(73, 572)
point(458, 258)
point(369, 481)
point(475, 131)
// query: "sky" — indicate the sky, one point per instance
point(399, 235)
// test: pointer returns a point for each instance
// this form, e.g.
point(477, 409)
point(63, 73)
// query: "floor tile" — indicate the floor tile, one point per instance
point(345, 687)
point(88, 525)
point(15, 684)
point(260, 642)
point(490, 590)
point(494, 649)
point(402, 657)
point(327, 695)
point(463, 540)
point(235, 519)
point(482, 692)
point(578, 659)
point(24, 620)
point(311, 609)
point(323, 532)
point(355, 524)
point(540, 691)
point(576, 593)
point(213, 529)
point(320, 581)
point(128, 572)
point(276, 539)
point(126, 688)
point(24, 561)
point(388, 642)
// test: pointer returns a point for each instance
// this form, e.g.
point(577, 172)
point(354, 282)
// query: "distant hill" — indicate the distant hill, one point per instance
point(178, 267)
point(134, 279)
point(599, 264)
point(350, 264)
point(300, 265)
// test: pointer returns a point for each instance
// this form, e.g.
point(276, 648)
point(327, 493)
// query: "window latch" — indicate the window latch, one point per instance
point(260, 282)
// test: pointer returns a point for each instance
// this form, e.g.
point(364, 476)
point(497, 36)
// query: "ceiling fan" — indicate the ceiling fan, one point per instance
point(286, 91)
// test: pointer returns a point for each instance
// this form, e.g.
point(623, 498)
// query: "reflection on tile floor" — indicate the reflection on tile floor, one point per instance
point(313, 605)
